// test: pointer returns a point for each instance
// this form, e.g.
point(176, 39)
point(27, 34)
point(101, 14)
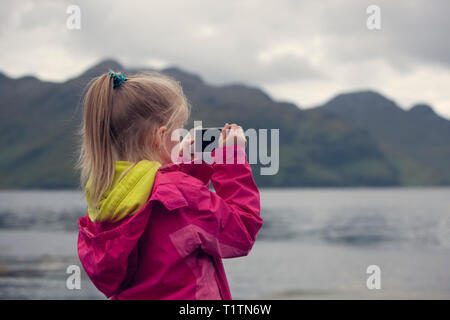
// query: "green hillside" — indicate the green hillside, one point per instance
point(416, 141)
point(318, 147)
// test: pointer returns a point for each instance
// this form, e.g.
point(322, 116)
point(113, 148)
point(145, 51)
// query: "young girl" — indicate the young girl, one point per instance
point(154, 230)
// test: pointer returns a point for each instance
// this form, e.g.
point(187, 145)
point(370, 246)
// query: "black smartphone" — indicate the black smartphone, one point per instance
point(206, 139)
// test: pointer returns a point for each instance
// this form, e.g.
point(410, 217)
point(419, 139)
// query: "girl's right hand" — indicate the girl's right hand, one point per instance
point(232, 135)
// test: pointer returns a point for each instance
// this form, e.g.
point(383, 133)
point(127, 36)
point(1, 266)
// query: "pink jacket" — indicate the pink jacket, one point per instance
point(172, 248)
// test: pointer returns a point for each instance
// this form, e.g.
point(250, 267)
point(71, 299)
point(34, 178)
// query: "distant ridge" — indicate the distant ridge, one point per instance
point(423, 110)
point(418, 136)
point(355, 139)
point(102, 67)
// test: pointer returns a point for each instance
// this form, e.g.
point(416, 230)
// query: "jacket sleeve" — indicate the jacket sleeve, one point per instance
point(226, 222)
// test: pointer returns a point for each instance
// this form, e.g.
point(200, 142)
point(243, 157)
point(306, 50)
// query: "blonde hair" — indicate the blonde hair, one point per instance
point(120, 124)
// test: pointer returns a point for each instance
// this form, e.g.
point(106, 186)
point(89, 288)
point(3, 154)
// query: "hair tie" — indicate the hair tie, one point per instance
point(118, 79)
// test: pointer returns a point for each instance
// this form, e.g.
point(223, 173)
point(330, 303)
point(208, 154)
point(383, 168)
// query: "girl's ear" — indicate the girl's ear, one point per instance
point(160, 134)
point(162, 130)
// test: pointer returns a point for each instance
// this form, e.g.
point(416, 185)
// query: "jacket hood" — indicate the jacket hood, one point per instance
point(130, 190)
point(108, 237)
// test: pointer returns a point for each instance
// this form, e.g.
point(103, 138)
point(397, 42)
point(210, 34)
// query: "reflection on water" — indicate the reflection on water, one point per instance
point(41, 210)
point(359, 217)
point(315, 243)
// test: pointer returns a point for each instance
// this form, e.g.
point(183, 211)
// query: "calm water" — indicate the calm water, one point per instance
point(315, 243)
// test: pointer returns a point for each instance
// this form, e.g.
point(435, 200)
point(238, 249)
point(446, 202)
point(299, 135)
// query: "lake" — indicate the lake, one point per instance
point(314, 244)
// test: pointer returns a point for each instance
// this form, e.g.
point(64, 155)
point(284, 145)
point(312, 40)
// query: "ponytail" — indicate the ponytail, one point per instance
point(96, 157)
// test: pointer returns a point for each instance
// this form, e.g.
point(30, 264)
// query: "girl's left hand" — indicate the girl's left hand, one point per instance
point(232, 134)
point(187, 145)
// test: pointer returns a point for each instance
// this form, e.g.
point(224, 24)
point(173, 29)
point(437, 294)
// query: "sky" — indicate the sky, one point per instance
point(298, 51)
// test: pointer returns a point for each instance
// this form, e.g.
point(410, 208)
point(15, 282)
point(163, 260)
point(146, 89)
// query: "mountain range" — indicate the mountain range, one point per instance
point(355, 139)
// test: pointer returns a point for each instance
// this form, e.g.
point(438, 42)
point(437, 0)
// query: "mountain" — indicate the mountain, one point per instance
point(318, 147)
point(415, 140)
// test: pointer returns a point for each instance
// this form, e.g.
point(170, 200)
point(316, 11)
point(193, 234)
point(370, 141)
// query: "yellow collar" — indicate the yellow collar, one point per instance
point(127, 195)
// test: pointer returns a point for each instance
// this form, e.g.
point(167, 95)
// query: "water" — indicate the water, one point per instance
point(314, 244)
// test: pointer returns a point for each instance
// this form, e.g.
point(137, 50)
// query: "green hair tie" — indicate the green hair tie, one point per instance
point(118, 79)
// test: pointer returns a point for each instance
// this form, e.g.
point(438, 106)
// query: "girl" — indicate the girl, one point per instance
point(153, 229)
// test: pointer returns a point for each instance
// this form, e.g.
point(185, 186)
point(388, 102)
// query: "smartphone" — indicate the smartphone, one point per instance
point(206, 139)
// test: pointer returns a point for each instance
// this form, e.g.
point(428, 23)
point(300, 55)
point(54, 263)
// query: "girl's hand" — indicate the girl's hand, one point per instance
point(187, 146)
point(232, 135)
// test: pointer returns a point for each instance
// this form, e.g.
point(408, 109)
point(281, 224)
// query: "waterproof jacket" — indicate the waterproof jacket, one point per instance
point(172, 247)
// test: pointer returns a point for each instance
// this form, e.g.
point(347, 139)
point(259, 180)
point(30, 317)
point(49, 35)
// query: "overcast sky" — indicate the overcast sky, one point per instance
point(299, 51)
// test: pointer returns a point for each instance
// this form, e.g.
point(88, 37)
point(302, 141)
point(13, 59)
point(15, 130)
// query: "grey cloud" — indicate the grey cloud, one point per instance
point(136, 31)
point(222, 41)
point(412, 32)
